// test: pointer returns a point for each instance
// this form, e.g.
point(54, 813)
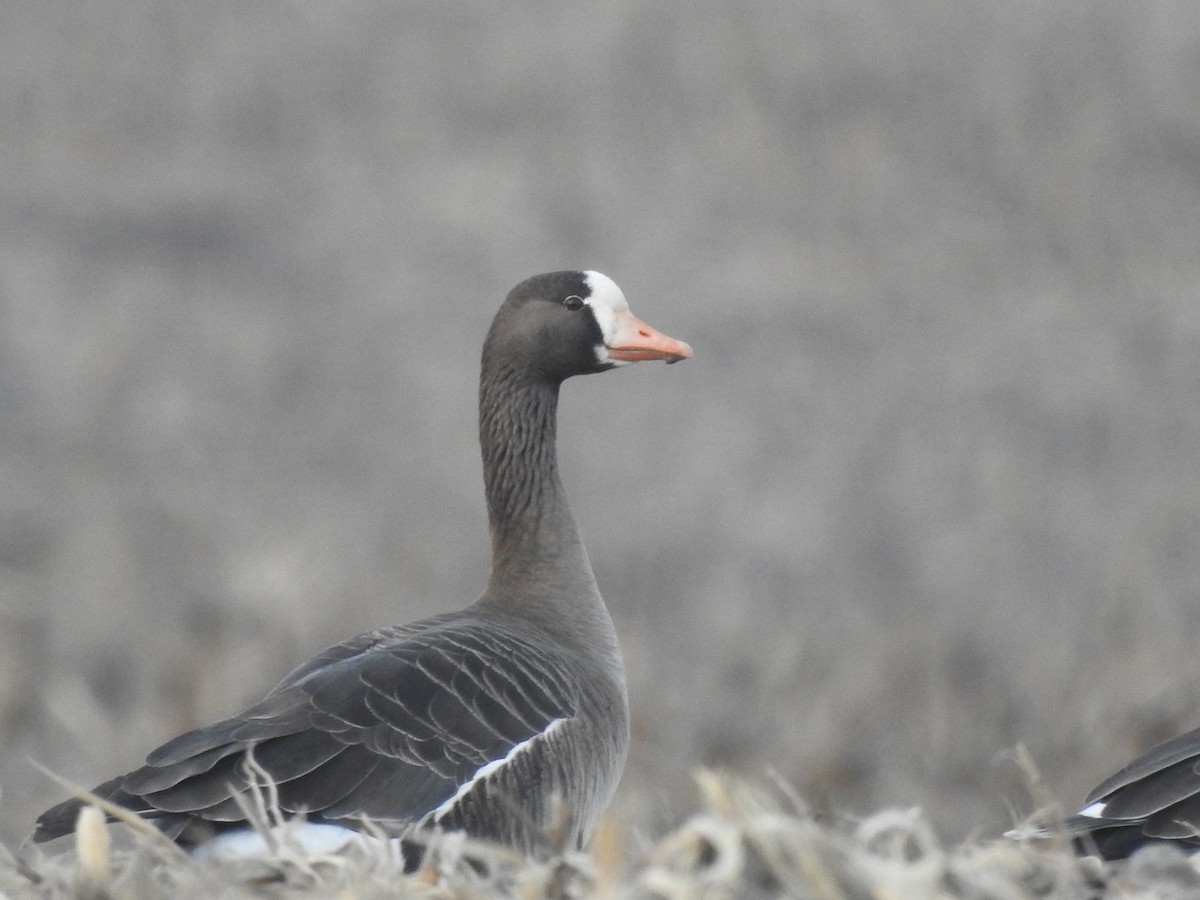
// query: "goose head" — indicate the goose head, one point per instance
point(569, 323)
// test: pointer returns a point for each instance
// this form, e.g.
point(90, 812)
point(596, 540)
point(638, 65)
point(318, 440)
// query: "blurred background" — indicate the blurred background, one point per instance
point(929, 490)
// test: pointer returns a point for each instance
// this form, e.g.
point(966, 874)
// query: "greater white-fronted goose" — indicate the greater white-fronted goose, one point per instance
point(1154, 798)
point(507, 719)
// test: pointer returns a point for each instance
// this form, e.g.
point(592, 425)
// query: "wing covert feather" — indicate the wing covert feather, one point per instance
point(389, 725)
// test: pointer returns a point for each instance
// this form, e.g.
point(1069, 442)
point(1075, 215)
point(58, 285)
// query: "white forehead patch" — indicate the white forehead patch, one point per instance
point(605, 292)
point(605, 300)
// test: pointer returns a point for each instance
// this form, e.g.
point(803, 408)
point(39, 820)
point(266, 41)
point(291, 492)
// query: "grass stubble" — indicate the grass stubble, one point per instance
point(747, 840)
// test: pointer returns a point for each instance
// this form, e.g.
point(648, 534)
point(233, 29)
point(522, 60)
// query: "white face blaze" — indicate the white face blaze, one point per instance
point(606, 301)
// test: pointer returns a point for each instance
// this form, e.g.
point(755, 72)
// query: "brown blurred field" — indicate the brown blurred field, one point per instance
point(930, 488)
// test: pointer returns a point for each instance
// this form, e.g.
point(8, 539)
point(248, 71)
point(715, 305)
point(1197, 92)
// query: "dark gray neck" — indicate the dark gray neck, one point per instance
point(539, 564)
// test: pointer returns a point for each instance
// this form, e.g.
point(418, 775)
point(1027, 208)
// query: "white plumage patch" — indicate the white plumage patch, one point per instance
point(248, 843)
point(605, 301)
point(488, 769)
point(1095, 811)
point(605, 293)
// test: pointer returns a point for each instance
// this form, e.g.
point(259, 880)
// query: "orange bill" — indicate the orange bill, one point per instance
point(635, 341)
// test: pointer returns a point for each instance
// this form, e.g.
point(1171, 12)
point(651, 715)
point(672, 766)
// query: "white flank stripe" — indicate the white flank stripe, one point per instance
point(488, 769)
point(1095, 811)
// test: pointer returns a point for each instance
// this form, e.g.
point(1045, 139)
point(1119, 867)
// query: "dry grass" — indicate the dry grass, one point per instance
point(747, 842)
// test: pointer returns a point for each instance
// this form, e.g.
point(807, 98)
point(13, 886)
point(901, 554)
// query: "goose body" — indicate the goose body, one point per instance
point(1156, 797)
point(508, 719)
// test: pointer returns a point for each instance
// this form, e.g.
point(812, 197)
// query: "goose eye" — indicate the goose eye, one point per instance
point(573, 303)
